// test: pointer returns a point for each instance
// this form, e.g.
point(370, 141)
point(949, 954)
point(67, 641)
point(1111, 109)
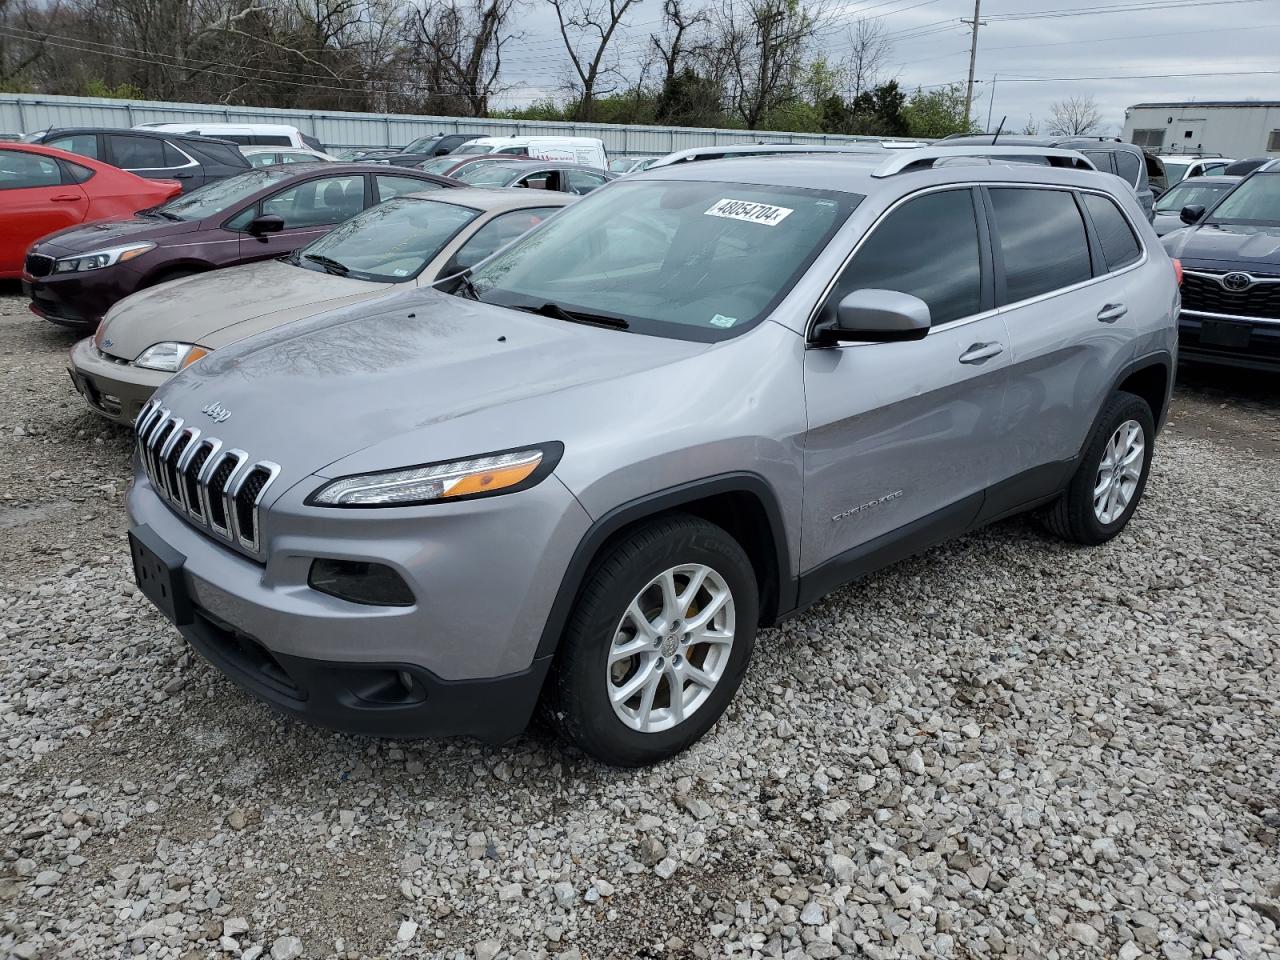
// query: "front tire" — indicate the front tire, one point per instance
point(657, 644)
point(1112, 476)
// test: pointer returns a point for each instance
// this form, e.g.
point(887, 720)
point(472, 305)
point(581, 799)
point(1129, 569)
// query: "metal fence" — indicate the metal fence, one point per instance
point(24, 113)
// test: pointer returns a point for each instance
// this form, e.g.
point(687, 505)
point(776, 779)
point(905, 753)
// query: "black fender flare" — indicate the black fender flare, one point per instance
point(651, 505)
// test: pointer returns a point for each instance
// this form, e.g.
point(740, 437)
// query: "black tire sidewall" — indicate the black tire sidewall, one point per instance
point(583, 708)
point(1124, 406)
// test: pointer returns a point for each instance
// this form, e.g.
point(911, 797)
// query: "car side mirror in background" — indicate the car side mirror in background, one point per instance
point(1192, 213)
point(876, 316)
point(266, 223)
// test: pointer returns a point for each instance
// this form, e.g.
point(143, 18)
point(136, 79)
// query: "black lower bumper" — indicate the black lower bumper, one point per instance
point(1229, 342)
point(379, 699)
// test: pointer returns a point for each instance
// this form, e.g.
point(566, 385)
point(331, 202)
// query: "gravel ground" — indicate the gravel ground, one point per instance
point(1004, 748)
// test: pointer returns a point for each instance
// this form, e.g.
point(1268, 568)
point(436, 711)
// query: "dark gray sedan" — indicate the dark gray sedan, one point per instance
point(1198, 191)
point(538, 175)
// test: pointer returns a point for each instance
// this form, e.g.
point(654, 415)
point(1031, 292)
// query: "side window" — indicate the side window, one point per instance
point(316, 202)
point(137, 153)
point(1119, 246)
point(1129, 167)
point(266, 140)
point(293, 157)
point(241, 219)
point(25, 170)
point(1101, 159)
point(581, 182)
point(85, 144)
point(75, 172)
point(173, 157)
point(389, 187)
point(540, 180)
point(515, 151)
point(263, 159)
point(1042, 239)
point(928, 248)
point(497, 233)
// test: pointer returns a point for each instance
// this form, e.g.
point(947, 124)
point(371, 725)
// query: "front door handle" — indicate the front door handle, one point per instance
point(981, 353)
point(1112, 312)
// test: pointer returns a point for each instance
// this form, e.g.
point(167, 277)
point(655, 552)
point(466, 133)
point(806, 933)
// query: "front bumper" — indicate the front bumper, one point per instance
point(79, 300)
point(113, 388)
point(460, 661)
point(1233, 341)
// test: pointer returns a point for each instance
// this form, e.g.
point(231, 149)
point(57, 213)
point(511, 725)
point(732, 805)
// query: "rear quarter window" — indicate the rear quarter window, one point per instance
point(1119, 245)
point(1042, 241)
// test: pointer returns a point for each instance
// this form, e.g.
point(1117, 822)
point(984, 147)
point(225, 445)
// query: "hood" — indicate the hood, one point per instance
point(1166, 223)
point(217, 308)
point(440, 375)
point(1244, 246)
point(110, 233)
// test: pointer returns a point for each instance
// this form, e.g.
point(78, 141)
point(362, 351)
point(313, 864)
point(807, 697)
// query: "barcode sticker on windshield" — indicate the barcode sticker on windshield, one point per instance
point(764, 213)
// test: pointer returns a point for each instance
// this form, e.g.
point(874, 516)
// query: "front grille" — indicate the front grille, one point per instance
point(38, 265)
point(1202, 291)
point(219, 491)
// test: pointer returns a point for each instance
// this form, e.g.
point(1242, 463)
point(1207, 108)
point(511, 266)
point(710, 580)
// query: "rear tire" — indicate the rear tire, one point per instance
point(657, 643)
point(1112, 476)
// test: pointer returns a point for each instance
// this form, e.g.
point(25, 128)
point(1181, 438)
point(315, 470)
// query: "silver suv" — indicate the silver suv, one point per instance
point(688, 406)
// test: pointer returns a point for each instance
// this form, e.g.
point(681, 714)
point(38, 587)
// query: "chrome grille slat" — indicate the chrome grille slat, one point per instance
point(200, 480)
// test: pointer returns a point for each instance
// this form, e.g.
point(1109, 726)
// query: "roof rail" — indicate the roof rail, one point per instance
point(903, 161)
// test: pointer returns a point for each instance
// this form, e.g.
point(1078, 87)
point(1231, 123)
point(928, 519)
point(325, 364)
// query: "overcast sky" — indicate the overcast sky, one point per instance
point(1021, 39)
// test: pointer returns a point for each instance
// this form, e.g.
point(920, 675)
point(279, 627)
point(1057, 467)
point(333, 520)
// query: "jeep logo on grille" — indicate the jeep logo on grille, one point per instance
point(1237, 281)
point(217, 411)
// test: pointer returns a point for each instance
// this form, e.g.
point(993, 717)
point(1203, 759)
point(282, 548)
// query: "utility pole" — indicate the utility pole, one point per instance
point(973, 62)
point(991, 104)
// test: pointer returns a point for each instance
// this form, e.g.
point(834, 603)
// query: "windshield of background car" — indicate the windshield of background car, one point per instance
point(1190, 193)
point(490, 174)
point(422, 144)
point(621, 165)
point(687, 259)
point(474, 148)
point(438, 164)
point(1174, 172)
point(389, 243)
point(1256, 200)
point(217, 197)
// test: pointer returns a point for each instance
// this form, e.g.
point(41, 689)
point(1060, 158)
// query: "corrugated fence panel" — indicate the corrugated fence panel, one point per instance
point(24, 113)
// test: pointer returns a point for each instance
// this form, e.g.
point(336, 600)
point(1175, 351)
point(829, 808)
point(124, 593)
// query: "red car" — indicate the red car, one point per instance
point(43, 190)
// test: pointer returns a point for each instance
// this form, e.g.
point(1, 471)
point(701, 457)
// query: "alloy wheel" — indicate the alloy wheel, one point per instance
point(1119, 472)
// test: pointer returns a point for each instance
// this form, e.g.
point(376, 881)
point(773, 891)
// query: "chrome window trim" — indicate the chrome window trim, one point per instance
point(1274, 321)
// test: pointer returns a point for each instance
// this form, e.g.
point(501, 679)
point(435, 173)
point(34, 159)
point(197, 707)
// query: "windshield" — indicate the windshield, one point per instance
point(389, 243)
point(1190, 193)
point(1256, 200)
point(217, 197)
point(438, 164)
point(1175, 171)
point(474, 147)
point(687, 259)
point(621, 165)
point(491, 174)
point(422, 144)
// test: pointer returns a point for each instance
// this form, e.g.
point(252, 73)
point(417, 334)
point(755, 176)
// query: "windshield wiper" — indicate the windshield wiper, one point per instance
point(464, 281)
point(330, 265)
point(558, 312)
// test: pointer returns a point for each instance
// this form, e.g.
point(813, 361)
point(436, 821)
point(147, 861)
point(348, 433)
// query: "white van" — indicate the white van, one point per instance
point(585, 150)
point(244, 134)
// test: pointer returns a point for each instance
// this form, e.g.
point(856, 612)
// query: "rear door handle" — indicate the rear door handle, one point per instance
point(1112, 312)
point(981, 353)
point(65, 198)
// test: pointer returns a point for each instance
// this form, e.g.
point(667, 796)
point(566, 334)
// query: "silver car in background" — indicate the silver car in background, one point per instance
point(687, 406)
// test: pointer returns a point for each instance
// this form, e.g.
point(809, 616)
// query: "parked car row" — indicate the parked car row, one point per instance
point(584, 468)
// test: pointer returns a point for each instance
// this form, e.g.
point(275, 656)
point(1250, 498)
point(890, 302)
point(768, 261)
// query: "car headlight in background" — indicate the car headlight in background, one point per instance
point(504, 472)
point(101, 258)
point(170, 357)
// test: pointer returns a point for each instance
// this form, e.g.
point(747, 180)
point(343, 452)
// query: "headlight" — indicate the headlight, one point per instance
point(170, 357)
point(101, 258)
point(504, 472)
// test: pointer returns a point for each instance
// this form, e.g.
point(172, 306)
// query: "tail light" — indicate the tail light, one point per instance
point(1177, 270)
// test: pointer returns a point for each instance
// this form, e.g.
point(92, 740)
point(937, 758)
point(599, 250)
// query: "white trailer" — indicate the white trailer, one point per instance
point(1231, 128)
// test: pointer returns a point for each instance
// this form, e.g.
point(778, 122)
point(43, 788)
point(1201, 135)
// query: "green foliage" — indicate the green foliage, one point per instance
point(121, 91)
point(937, 113)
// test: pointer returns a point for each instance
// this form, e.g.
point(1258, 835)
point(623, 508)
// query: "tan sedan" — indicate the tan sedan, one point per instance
point(413, 239)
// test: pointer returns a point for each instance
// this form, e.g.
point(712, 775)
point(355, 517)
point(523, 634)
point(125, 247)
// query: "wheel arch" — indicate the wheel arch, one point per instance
point(1150, 378)
point(744, 504)
point(168, 271)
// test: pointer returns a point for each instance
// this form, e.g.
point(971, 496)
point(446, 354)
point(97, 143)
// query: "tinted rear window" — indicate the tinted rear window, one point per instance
point(136, 153)
point(1119, 245)
point(1129, 167)
point(1042, 239)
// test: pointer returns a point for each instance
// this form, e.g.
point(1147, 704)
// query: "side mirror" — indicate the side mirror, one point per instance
point(877, 316)
point(1191, 214)
point(266, 223)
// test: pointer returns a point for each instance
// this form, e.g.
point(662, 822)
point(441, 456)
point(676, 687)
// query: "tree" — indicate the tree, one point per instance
point(1076, 117)
point(592, 24)
point(460, 50)
point(936, 113)
point(869, 50)
point(762, 44)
